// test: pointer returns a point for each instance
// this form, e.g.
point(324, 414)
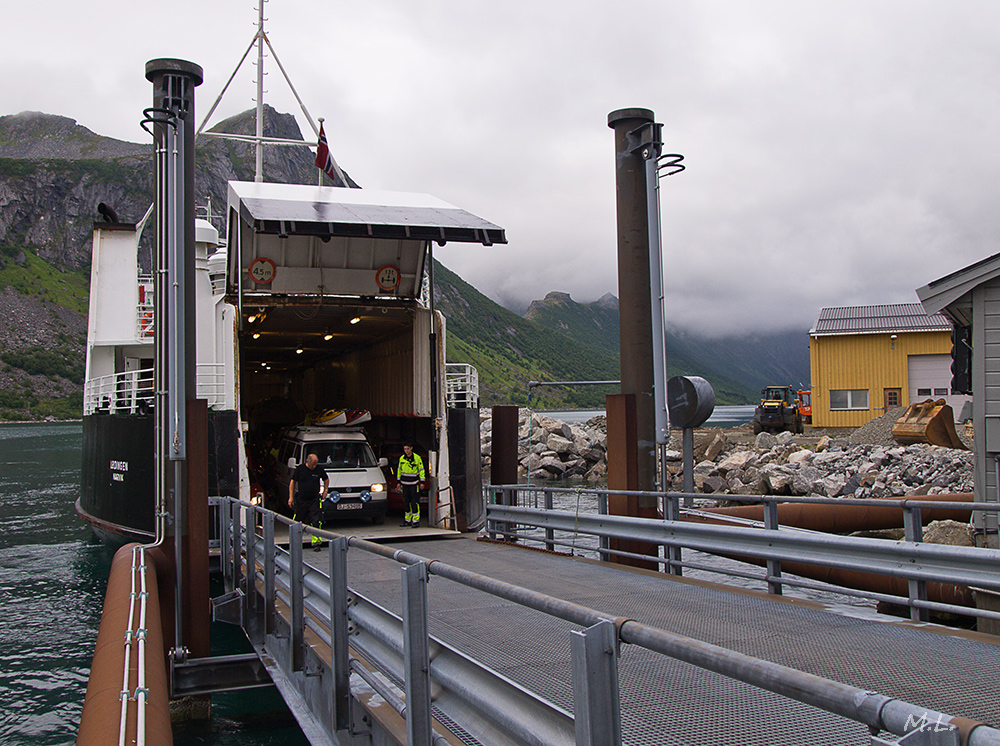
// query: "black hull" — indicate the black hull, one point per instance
point(118, 472)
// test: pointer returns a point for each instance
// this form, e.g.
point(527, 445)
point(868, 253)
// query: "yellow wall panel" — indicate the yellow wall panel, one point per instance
point(874, 362)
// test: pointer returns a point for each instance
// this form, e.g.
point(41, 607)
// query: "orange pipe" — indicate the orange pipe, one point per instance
point(99, 722)
point(843, 519)
point(838, 519)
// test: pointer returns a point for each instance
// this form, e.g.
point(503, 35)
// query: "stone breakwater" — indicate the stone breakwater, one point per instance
point(736, 463)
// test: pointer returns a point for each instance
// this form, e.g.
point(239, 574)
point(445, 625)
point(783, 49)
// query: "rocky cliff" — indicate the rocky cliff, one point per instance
point(53, 174)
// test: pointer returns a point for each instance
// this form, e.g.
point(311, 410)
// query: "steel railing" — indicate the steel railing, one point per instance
point(287, 607)
point(132, 391)
point(461, 386)
point(918, 562)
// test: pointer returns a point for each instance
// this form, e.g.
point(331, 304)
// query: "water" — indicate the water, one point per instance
point(53, 575)
point(722, 416)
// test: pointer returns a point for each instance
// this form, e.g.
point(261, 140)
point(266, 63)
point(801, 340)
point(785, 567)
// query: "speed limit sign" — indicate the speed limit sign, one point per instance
point(262, 270)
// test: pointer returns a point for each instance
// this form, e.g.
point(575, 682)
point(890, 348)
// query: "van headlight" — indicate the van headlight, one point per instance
point(378, 487)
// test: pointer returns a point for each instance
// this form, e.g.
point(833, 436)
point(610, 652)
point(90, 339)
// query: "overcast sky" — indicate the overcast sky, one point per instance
point(837, 153)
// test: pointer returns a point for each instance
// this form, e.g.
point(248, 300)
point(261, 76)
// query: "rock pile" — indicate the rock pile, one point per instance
point(553, 449)
point(776, 465)
point(769, 465)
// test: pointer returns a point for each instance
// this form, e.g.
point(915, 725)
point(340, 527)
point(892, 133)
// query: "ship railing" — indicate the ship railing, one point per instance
point(132, 392)
point(461, 386)
point(329, 648)
point(526, 514)
point(144, 308)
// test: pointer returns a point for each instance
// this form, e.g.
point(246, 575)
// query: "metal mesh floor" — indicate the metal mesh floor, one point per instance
point(668, 702)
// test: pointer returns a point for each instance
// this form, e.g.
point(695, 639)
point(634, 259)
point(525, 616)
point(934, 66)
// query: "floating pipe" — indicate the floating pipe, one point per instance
point(844, 519)
point(102, 704)
point(839, 519)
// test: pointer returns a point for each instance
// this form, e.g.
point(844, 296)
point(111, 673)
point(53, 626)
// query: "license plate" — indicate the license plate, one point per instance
point(349, 506)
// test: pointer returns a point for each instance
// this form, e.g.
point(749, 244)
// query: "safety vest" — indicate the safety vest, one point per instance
point(411, 469)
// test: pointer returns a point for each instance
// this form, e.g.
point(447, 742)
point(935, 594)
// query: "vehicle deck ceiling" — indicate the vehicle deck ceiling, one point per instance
point(284, 329)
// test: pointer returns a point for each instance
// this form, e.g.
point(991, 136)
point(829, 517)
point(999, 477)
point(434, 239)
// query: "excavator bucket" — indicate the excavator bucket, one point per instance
point(930, 422)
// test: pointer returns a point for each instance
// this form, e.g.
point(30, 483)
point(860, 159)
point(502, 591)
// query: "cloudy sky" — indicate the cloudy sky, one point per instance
point(837, 153)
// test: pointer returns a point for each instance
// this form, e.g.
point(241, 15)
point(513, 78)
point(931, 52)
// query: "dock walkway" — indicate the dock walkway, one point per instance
point(670, 702)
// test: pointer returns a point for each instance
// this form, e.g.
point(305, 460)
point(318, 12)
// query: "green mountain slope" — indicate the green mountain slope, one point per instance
point(737, 367)
point(508, 350)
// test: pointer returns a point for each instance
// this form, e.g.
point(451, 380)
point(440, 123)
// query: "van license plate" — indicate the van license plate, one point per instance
point(349, 506)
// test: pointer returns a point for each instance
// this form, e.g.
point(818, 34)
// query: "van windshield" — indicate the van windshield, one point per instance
point(342, 455)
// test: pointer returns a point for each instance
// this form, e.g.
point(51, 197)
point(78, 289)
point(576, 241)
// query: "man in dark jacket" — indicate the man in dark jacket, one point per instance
point(312, 483)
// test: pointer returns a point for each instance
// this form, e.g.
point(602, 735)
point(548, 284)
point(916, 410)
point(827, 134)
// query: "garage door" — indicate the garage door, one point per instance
point(930, 378)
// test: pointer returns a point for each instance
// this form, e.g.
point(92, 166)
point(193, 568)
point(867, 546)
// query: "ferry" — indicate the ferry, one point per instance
point(315, 299)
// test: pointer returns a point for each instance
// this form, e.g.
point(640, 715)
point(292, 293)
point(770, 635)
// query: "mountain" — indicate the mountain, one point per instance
point(508, 350)
point(54, 173)
point(737, 367)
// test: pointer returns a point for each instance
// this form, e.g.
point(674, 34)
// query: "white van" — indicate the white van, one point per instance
point(357, 483)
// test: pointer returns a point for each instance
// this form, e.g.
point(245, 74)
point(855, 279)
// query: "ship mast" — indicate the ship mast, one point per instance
point(260, 38)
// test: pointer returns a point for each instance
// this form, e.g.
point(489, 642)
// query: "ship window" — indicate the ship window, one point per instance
point(848, 399)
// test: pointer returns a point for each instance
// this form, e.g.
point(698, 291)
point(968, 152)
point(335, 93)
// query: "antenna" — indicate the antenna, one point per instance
point(258, 140)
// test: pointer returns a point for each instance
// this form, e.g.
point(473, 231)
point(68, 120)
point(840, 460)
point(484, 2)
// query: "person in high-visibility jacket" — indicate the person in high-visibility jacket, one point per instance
point(411, 477)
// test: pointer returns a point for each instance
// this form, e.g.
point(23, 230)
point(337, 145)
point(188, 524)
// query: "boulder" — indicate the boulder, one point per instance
point(765, 441)
point(952, 533)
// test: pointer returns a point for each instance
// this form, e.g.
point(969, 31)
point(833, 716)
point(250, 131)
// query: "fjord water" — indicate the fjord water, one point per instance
point(53, 575)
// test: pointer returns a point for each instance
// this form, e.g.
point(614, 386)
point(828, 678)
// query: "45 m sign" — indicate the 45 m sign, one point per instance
point(262, 270)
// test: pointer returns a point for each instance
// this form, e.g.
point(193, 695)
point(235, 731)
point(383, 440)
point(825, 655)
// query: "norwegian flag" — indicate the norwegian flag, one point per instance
point(324, 161)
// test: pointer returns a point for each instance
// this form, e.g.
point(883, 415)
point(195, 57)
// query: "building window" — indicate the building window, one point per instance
point(923, 392)
point(892, 398)
point(848, 399)
point(940, 392)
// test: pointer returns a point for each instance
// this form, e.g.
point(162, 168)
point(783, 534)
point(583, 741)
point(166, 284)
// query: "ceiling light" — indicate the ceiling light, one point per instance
point(298, 350)
point(328, 336)
point(356, 319)
point(256, 335)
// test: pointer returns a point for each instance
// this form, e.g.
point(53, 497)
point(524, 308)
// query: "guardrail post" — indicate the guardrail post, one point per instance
point(297, 621)
point(250, 596)
point(549, 533)
point(917, 589)
point(416, 663)
point(491, 524)
point(596, 707)
point(340, 663)
point(672, 512)
point(603, 541)
point(773, 566)
point(269, 552)
point(225, 544)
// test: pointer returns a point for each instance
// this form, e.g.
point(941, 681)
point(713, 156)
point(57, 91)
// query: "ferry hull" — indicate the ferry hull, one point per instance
point(118, 472)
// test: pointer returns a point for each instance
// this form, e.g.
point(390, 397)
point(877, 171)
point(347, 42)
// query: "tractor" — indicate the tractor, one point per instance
point(778, 410)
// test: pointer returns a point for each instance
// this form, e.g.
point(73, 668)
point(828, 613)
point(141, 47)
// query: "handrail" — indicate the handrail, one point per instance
point(132, 391)
point(382, 636)
point(919, 563)
point(461, 385)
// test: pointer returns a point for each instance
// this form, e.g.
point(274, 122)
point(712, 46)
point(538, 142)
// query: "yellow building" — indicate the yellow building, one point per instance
point(864, 360)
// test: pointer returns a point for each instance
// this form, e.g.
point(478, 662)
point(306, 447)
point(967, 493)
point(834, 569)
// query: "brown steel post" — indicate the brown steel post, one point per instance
point(195, 567)
point(503, 468)
point(623, 474)
point(634, 303)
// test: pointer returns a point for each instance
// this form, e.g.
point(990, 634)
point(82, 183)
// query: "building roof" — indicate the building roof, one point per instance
point(952, 293)
point(899, 317)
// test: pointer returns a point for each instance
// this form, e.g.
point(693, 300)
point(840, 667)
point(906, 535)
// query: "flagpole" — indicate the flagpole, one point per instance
point(319, 172)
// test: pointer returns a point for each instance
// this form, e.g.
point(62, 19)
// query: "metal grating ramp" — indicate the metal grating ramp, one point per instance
point(669, 702)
